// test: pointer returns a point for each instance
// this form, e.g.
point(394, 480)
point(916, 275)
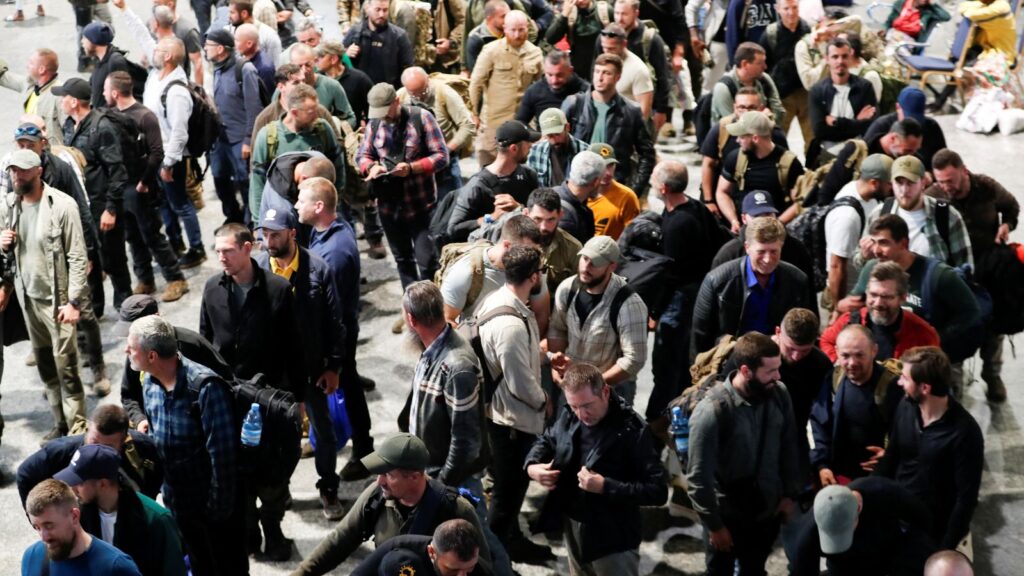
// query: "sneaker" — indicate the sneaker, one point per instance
point(18, 16)
point(376, 250)
point(100, 382)
point(56, 432)
point(194, 257)
point(174, 290)
point(522, 549)
point(144, 288)
point(333, 510)
point(354, 471)
point(398, 326)
point(367, 383)
point(30, 360)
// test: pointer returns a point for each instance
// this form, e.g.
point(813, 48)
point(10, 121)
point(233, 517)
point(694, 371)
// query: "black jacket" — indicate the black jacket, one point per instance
point(626, 133)
point(318, 310)
point(413, 544)
point(625, 454)
point(140, 463)
point(476, 199)
point(539, 97)
point(383, 53)
point(820, 104)
point(105, 174)
point(261, 338)
point(577, 217)
point(112, 61)
point(723, 294)
point(192, 346)
point(793, 251)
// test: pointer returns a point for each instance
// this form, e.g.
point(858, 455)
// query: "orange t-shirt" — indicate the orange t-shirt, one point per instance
point(614, 209)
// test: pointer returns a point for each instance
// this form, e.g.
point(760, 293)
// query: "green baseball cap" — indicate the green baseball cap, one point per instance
point(605, 151)
point(754, 123)
point(876, 167)
point(552, 121)
point(399, 452)
point(909, 167)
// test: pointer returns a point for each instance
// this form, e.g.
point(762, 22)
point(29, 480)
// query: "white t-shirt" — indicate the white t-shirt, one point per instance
point(457, 282)
point(841, 107)
point(107, 521)
point(843, 229)
point(636, 78)
point(915, 223)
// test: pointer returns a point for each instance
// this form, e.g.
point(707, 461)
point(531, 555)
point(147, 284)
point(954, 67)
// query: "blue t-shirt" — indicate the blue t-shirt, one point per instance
point(100, 558)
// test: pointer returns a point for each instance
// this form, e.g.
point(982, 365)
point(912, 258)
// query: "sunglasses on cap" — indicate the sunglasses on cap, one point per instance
point(22, 131)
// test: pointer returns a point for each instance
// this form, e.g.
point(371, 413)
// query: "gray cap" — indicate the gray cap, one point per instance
point(755, 123)
point(380, 98)
point(24, 159)
point(602, 250)
point(876, 167)
point(399, 452)
point(552, 121)
point(835, 512)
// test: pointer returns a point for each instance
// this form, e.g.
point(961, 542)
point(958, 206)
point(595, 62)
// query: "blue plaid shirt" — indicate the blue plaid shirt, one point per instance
point(200, 454)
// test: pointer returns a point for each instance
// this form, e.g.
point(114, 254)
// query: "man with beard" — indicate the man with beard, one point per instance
point(895, 330)
point(377, 47)
point(842, 105)
point(851, 417)
point(64, 546)
point(599, 320)
point(936, 228)
point(402, 501)
point(36, 91)
point(935, 449)
point(44, 247)
point(318, 311)
point(560, 249)
point(560, 80)
point(552, 156)
point(743, 469)
point(582, 185)
point(510, 340)
point(615, 205)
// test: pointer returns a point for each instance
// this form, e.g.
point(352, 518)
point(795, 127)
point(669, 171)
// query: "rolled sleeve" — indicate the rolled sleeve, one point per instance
point(632, 322)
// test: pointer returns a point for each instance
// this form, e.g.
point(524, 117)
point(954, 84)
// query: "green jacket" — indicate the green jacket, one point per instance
point(144, 530)
point(371, 516)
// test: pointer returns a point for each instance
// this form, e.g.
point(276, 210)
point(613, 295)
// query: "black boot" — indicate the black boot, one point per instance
point(277, 548)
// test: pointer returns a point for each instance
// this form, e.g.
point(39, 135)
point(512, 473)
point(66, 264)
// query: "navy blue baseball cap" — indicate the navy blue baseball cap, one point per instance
point(402, 562)
point(91, 462)
point(277, 214)
point(758, 203)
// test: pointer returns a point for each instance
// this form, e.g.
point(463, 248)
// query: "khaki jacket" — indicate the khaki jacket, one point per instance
point(499, 79)
point(64, 241)
point(47, 105)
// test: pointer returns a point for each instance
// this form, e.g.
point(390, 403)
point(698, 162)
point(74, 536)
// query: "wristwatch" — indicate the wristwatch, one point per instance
point(75, 303)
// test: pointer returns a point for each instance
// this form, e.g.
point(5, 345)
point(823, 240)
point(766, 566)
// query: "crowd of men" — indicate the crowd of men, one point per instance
point(529, 288)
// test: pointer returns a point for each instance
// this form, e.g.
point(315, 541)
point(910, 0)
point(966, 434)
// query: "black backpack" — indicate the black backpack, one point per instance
point(134, 150)
point(965, 343)
point(649, 274)
point(1002, 273)
point(264, 92)
point(204, 124)
point(439, 218)
point(644, 232)
point(274, 460)
point(809, 228)
point(139, 75)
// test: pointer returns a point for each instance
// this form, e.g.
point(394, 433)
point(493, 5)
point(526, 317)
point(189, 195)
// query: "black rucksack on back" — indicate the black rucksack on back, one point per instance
point(134, 150)
point(204, 124)
point(1002, 273)
point(139, 75)
point(644, 232)
point(966, 342)
point(439, 218)
point(809, 228)
point(649, 274)
point(264, 91)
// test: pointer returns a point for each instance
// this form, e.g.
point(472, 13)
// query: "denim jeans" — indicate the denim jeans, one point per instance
point(325, 455)
point(230, 176)
point(178, 206)
point(670, 358)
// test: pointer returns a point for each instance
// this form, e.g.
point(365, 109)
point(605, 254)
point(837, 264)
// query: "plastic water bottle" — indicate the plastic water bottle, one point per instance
point(252, 427)
point(680, 429)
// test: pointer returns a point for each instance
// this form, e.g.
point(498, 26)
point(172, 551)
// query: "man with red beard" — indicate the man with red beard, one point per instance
point(64, 546)
point(743, 470)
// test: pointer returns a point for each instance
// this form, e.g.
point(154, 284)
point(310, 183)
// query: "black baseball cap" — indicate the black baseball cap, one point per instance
point(515, 131)
point(74, 87)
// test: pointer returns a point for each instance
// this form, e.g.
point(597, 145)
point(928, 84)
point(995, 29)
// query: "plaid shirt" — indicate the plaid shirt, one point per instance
point(200, 455)
point(959, 250)
point(426, 153)
point(593, 340)
point(539, 159)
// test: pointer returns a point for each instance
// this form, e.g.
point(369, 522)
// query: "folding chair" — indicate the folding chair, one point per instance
point(923, 67)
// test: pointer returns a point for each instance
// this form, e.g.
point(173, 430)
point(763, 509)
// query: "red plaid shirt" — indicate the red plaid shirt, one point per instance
point(426, 153)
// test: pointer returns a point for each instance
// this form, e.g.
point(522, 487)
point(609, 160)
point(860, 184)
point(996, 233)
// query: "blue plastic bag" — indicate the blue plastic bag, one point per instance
point(339, 420)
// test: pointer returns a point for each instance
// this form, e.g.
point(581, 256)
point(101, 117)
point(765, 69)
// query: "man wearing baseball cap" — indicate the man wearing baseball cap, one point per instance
point(402, 180)
point(579, 188)
point(453, 550)
point(403, 501)
point(613, 338)
point(42, 232)
point(936, 228)
point(910, 105)
point(871, 526)
point(551, 157)
point(758, 164)
point(111, 511)
point(616, 204)
point(846, 222)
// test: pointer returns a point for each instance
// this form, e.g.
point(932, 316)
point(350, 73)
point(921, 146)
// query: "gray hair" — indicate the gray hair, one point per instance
point(587, 167)
point(163, 16)
point(413, 72)
point(673, 174)
point(154, 334)
point(247, 32)
point(297, 49)
point(307, 24)
point(423, 301)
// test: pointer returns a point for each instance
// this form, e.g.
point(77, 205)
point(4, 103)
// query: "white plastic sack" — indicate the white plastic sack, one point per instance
point(982, 111)
point(1011, 121)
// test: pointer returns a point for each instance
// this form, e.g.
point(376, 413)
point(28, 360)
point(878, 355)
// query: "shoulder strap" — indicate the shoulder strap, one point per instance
point(852, 203)
point(889, 206)
point(785, 163)
point(498, 312)
point(476, 282)
point(167, 90)
point(272, 140)
point(942, 223)
point(740, 171)
point(723, 135)
point(616, 306)
point(370, 511)
point(855, 317)
point(731, 85)
point(928, 285)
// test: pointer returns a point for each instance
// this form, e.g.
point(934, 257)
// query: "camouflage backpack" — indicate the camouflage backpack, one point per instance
point(452, 253)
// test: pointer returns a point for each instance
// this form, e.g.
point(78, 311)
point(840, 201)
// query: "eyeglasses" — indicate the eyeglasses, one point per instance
point(22, 131)
point(542, 270)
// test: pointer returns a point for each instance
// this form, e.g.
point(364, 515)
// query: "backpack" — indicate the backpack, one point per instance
point(891, 87)
point(134, 149)
point(1002, 273)
point(785, 163)
point(649, 274)
point(264, 92)
point(809, 228)
point(807, 190)
point(274, 460)
point(470, 330)
point(138, 72)
point(710, 362)
point(204, 124)
point(964, 344)
point(644, 231)
point(891, 368)
point(454, 252)
point(613, 308)
point(457, 83)
point(439, 219)
point(604, 14)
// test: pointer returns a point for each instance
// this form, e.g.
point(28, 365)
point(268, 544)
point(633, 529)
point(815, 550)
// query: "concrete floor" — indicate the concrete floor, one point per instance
point(671, 545)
